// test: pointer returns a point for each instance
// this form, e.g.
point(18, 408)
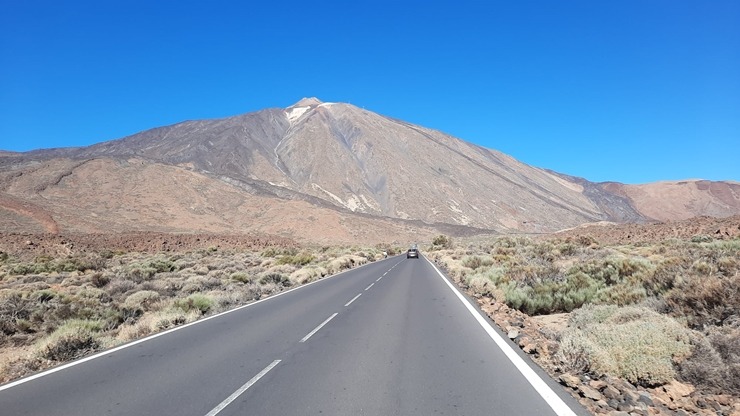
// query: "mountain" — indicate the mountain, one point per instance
point(314, 169)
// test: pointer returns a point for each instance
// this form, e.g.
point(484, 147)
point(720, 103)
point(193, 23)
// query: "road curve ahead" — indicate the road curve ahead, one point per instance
point(389, 338)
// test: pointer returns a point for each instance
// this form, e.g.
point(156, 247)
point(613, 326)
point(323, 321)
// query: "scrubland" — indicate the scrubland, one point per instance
point(56, 309)
point(649, 312)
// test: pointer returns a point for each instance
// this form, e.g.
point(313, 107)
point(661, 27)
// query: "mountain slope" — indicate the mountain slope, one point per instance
point(116, 195)
point(681, 200)
point(338, 157)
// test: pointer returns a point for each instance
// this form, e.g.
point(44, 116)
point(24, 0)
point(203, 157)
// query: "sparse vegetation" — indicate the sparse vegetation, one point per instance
point(647, 312)
point(57, 309)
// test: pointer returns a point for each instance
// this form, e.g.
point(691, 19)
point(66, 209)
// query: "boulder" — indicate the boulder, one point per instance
point(570, 380)
point(590, 393)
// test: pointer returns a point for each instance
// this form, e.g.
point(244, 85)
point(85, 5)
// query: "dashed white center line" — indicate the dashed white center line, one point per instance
point(371, 285)
point(310, 334)
point(353, 299)
point(378, 279)
point(242, 389)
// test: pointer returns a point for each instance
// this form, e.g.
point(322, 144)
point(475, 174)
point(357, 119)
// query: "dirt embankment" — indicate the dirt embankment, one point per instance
point(28, 210)
point(716, 228)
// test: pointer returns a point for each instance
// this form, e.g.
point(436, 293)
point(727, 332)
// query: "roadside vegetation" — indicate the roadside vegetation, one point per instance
point(53, 310)
point(648, 313)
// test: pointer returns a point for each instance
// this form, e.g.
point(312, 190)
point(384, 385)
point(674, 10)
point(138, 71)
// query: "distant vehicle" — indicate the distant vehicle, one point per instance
point(413, 252)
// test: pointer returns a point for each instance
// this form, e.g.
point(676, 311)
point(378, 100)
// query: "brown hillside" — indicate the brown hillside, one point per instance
point(320, 172)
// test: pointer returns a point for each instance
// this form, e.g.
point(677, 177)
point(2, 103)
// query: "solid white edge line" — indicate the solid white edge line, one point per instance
point(242, 389)
point(159, 334)
point(353, 299)
point(371, 285)
point(553, 400)
point(310, 334)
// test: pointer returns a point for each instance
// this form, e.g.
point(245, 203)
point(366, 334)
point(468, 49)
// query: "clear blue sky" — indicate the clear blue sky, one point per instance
point(632, 91)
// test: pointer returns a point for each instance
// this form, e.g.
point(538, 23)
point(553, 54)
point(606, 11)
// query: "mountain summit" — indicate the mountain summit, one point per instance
point(307, 102)
point(328, 162)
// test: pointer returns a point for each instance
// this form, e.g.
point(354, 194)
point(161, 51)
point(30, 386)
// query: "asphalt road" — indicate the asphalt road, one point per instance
point(389, 338)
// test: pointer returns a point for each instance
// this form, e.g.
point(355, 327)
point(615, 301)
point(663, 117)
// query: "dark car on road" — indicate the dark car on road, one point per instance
point(413, 252)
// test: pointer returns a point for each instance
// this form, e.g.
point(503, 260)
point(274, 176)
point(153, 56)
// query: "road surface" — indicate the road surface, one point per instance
point(389, 338)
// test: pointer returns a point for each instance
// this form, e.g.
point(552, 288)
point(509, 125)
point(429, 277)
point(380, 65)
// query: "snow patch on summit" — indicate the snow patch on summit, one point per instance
point(295, 113)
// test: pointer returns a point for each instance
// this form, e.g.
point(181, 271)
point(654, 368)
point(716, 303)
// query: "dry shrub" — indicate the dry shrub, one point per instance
point(344, 262)
point(142, 299)
point(307, 274)
point(171, 317)
point(635, 343)
point(667, 275)
point(451, 264)
point(155, 322)
point(195, 302)
point(301, 259)
point(475, 262)
point(242, 277)
point(706, 301)
point(442, 242)
point(200, 284)
point(136, 330)
point(714, 365)
point(99, 279)
point(486, 282)
point(70, 341)
point(275, 278)
point(218, 274)
point(120, 286)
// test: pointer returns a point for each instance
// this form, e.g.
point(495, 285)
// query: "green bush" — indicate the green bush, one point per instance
point(540, 296)
point(701, 238)
point(197, 302)
point(614, 270)
point(442, 242)
point(241, 277)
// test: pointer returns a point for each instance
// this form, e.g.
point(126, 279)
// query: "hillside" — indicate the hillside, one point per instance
point(321, 172)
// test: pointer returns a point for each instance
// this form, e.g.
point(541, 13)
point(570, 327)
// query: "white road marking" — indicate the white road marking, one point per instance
point(371, 285)
point(556, 403)
point(310, 334)
point(242, 389)
point(353, 299)
point(378, 279)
